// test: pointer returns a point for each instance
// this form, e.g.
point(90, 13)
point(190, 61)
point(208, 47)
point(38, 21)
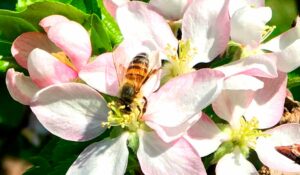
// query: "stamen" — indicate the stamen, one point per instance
point(267, 32)
point(178, 62)
point(126, 118)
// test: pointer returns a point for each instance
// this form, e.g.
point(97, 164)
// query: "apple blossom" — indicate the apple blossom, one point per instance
point(53, 58)
point(78, 112)
point(205, 32)
point(240, 136)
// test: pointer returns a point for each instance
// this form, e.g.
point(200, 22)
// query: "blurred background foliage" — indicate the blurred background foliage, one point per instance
point(23, 142)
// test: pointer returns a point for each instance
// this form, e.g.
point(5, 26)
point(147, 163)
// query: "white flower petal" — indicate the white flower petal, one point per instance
point(235, 164)
point(107, 157)
point(206, 25)
point(247, 25)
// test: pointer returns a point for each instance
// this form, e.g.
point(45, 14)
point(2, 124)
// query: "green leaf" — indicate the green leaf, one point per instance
point(11, 27)
point(41, 166)
point(92, 7)
point(99, 39)
point(294, 78)
point(37, 11)
point(110, 25)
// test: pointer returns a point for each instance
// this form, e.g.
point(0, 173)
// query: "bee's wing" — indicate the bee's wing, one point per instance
point(154, 62)
point(119, 68)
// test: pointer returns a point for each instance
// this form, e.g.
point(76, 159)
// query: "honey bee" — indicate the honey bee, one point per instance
point(134, 77)
point(292, 152)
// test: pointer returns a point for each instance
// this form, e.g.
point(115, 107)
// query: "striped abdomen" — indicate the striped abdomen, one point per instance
point(135, 76)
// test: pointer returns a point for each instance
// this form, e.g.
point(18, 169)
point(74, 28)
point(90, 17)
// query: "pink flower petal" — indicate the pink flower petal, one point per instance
point(52, 20)
point(72, 111)
point(204, 136)
point(101, 74)
point(45, 69)
point(75, 44)
point(259, 65)
point(206, 25)
point(183, 97)
point(169, 134)
point(20, 87)
point(106, 157)
point(138, 22)
point(158, 157)
point(25, 43)
point(248, 24)
point(283, 135)
point(268, 102)
point(235, 164)
point(170, 9)
point(231, 105)
point(112, 5)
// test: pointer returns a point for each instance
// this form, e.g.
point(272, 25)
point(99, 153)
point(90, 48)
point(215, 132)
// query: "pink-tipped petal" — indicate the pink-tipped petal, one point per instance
point(107, 157)
point(259, 65)
point(234, 5)
point(235, 164)
point(45, 69)
point(206, 25)
point(72, 111)
point(144, 24)
point(101, 74)
point(283, 135)
point(204, 136)
point(176, 158)
point(183, 97)
point(52, 20)
point(170, 9)
point(25, 43)
point(169, 134)
point(74, 40)
point(268, 103)
point(248, 24)
point(112, 5)
point(232, 104)
point(20, 87)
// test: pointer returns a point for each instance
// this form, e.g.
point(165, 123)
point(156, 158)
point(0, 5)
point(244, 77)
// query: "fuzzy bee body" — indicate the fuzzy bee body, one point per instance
point(135, 76)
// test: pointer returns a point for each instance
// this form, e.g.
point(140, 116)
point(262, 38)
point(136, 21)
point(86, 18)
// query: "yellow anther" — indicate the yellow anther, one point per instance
point(61, 56)
point(247, 133)
point(267, 32)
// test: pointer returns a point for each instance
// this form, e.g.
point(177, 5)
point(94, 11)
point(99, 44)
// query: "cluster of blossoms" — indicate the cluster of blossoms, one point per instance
point(67, 87)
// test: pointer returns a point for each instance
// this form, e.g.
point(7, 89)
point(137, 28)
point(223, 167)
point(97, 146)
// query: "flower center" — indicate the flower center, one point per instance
point(245, 136)
point(178, 60)
point(62, 57)
point(126, 116)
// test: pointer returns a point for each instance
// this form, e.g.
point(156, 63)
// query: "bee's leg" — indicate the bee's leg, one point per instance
point(145, 104)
